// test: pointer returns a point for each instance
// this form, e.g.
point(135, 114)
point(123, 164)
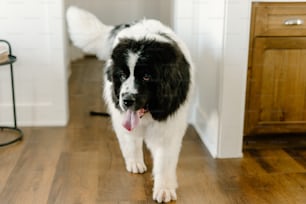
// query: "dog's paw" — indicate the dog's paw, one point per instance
point(136, 167)
point(164, 195)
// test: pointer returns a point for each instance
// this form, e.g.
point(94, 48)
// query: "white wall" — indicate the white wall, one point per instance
point(200, 24)
point(115, 12)
point(233, 77)
point(35, 30)
point(217, 34)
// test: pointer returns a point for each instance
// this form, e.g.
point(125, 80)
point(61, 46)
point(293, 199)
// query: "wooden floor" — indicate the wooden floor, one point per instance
point(82, 163)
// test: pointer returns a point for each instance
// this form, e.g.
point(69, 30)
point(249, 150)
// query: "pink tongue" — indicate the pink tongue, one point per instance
point(130, 120)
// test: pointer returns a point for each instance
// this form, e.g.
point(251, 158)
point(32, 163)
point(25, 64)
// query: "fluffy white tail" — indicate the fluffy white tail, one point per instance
point(88, 32)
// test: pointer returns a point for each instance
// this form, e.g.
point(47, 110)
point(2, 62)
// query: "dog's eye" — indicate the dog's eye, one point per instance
point(146, 77)
point(122, 76)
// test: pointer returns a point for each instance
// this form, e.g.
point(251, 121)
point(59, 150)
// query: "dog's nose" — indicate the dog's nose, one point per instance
point(129, 100)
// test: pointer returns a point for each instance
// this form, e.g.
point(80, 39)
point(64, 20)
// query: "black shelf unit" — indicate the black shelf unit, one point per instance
point(19, 133)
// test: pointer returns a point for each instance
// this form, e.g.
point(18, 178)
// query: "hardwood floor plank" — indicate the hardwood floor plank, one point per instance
point(31, 178)
point(133, 202)
point(262, 162)
point(276, 161)
point(299, 155)
point(9, 155)
point(114, 177)
point(198, 181)
point(75, 180)
point(277, 188)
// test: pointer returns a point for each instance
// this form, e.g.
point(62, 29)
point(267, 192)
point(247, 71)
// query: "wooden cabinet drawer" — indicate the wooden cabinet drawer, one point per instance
point(271, 19)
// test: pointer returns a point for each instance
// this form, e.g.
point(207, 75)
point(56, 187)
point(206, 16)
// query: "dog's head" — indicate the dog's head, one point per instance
point(148, 76)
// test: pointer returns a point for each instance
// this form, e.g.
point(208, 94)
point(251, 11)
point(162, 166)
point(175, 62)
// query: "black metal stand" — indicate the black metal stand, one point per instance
point(10, 61)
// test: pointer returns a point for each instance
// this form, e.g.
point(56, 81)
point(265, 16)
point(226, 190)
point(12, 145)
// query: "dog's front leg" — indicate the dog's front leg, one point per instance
point(165, 151)
point(132, 149)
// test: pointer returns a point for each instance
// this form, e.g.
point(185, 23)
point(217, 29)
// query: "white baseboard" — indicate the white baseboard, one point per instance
point(207, 127)
point(40, 114)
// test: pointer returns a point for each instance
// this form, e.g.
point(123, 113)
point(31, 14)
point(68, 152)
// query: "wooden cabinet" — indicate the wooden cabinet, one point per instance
point(276, 82)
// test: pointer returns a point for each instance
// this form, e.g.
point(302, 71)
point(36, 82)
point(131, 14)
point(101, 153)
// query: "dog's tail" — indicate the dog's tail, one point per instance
point(88, 32)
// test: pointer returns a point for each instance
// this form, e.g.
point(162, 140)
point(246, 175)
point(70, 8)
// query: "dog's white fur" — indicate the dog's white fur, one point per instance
point(162, 138)
point(88, 33)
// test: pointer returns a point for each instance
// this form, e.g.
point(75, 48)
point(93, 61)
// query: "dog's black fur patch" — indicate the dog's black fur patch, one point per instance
point(117, 29)
point(165, 66)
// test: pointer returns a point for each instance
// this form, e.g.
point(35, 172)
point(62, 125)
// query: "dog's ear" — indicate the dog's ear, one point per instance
point(114, 89)
point(172, 84)
point(88, 32)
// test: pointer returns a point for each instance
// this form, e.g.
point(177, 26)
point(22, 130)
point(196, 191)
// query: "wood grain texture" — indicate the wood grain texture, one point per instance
point(277, 86)
point(276, 81)
point(269, 19)
point(82, 163)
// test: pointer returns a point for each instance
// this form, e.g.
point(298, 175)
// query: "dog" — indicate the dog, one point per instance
point(148, 83)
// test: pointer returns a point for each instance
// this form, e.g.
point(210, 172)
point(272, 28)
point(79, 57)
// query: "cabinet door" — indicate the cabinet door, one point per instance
point(276, 99)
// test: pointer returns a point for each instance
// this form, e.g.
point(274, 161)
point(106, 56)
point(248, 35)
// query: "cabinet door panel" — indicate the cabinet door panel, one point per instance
point(277, 86)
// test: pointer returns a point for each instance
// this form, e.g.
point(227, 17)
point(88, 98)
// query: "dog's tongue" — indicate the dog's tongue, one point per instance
point(131, 120)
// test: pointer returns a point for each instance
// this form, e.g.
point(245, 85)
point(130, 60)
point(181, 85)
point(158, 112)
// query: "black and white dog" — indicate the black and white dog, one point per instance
point(147, 88)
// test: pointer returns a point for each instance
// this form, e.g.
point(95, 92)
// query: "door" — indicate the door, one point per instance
point(277, 86)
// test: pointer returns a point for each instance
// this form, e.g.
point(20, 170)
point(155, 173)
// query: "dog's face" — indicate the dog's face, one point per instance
point(148, 76)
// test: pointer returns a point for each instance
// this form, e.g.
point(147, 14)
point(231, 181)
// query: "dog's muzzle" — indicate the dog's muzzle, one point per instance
point(132, 113)
point(129, 101)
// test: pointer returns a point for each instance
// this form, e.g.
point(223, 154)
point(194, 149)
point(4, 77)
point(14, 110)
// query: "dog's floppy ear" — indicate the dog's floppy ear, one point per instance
point(88, 32)
point(172, 85)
